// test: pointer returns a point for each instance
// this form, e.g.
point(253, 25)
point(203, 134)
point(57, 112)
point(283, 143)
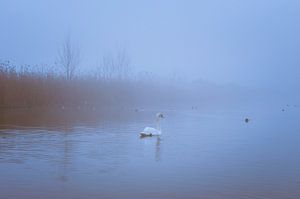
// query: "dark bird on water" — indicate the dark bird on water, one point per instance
point(247, 120)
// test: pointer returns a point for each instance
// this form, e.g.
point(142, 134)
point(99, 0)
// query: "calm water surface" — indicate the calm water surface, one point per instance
point(200, 155)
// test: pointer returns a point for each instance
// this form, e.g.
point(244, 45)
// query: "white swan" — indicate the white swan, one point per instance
point(149, 131)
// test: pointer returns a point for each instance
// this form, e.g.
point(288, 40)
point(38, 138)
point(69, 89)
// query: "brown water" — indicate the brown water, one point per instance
point(211, 155)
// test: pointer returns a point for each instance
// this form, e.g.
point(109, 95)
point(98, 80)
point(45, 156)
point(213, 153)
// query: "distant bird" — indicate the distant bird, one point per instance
point(247, 120)
point(149, 131)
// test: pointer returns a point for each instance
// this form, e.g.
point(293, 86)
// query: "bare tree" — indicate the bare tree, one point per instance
point(122, 64)
point(69, 58)
point(115, 66)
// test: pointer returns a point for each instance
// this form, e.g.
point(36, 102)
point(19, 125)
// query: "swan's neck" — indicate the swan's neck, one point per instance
point(158, 124)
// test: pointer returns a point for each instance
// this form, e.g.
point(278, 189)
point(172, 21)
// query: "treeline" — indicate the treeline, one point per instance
point(35, 86)
point(112, 84)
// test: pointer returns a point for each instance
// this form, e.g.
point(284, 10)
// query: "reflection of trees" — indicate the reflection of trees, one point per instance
point(12, 150)
point(56, 149)
point(66, 154)
point(17, 146)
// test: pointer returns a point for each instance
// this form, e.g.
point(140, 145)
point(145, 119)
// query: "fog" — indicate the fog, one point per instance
point(149, 99)
point(247, 43)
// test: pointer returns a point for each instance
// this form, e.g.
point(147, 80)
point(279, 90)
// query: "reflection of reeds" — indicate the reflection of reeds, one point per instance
point(27, 87)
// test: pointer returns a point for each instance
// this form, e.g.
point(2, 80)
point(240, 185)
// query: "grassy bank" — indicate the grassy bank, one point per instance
point(29, 88)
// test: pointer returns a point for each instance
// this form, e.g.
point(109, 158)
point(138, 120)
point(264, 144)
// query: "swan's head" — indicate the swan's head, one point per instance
point(160, 115)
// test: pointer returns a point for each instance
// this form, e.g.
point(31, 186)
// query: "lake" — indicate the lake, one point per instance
point(201, 154)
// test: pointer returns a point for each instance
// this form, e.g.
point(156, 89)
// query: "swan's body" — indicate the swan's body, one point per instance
point(149, 131)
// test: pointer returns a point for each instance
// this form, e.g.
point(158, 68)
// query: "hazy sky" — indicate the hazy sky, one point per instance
point(248, 42)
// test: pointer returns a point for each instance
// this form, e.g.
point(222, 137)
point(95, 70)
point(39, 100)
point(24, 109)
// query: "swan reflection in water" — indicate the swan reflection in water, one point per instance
point(157, 145)
point(157, 149)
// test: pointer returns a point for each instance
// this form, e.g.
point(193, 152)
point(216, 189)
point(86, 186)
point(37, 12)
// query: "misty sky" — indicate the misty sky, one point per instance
point(247, 42)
